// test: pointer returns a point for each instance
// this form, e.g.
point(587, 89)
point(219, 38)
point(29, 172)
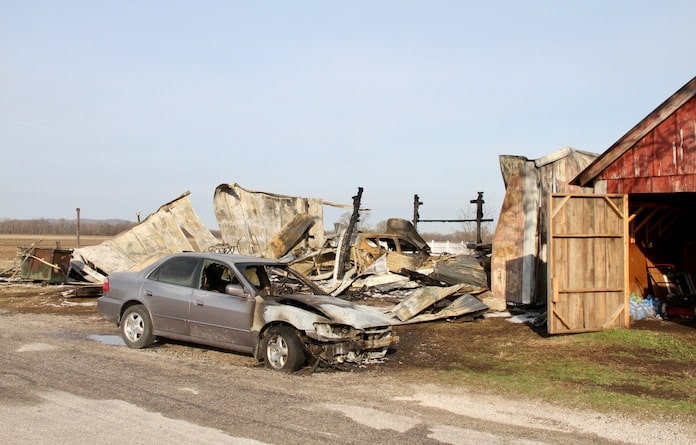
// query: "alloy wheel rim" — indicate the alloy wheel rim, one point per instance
point(134, 327)
point(277, 351)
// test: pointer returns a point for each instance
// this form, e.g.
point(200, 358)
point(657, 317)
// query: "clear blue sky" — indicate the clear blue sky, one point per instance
point(117, 107)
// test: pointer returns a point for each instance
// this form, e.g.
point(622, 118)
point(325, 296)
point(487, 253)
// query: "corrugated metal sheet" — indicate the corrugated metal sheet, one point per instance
point(171, 229)
point(249, 219)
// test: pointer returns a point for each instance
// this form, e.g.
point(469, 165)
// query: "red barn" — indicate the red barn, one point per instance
point(634, 236)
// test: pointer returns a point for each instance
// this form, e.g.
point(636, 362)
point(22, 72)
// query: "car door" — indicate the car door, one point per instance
point(167, 292)
point(219, 317)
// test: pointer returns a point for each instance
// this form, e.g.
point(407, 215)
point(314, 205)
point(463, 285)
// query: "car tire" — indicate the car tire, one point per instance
point(136, 327)
point(282, 349)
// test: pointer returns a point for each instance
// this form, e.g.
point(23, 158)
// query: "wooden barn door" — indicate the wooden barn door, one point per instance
point(588, 263)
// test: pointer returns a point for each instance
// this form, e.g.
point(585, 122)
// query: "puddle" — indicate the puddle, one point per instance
point(113, 340)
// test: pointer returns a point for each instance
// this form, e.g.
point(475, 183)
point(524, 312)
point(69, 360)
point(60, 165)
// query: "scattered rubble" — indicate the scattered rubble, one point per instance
point(394, 270)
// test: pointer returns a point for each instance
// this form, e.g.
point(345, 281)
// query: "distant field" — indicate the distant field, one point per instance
point(10, 245)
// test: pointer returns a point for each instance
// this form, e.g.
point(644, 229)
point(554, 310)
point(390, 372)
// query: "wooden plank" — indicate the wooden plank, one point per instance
point(590, 290)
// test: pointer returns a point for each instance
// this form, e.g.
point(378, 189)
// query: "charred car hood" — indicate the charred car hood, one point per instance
point(335, 310)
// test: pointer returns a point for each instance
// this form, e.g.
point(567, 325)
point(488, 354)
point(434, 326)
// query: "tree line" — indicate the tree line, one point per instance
point(63, 227)
point(114, 227)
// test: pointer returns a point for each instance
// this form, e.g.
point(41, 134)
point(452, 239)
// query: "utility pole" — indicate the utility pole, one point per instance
point(78, 227)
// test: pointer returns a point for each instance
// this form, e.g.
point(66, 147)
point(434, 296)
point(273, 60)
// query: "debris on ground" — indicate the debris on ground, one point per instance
point(393, 270)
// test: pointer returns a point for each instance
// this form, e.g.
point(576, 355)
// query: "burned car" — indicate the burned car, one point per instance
point(403, 247)
point(244, 304)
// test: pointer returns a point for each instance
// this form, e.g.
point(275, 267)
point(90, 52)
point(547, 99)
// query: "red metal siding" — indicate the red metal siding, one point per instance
point(664, 161)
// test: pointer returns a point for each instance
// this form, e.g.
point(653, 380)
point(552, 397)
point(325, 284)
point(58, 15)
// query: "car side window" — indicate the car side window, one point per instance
point(216, 276)
point(178, 271)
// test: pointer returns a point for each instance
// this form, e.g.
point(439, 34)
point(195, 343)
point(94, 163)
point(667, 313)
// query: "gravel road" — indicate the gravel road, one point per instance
point(68, 379)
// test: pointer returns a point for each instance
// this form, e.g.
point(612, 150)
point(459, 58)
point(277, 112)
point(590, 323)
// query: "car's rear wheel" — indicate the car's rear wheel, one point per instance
point(283, 350)
point(136, 327)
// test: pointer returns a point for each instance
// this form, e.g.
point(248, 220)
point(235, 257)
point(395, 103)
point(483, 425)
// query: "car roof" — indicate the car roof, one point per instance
point(226, 257)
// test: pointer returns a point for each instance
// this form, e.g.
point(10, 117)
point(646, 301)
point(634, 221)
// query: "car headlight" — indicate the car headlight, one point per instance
point(333, 331)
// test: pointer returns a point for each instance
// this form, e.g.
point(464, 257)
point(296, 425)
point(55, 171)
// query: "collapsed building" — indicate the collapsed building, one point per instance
point(394, 270)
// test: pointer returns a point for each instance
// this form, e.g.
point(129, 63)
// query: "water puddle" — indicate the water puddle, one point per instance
point(113, 340)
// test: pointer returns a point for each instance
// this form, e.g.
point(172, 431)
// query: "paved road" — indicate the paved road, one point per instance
point(66, 379)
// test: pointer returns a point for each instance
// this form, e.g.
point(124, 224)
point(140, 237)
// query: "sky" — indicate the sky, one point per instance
point(118, 107)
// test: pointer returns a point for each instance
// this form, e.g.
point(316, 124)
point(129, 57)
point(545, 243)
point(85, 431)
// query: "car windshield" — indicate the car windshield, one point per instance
point(277, 280)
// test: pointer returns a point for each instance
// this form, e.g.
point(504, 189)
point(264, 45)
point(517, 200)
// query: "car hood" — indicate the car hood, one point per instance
point(336, 310)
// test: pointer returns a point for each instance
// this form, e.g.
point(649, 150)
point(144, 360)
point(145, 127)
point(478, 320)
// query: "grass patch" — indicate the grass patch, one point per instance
point(644, 373)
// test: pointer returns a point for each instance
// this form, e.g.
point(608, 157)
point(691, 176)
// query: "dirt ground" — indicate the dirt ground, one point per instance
point(438, 345)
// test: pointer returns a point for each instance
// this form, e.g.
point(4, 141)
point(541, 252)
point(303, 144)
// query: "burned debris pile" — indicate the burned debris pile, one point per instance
point(394, 270)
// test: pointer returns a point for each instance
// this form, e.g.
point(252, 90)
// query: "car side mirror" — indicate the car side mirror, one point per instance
point(236, 290)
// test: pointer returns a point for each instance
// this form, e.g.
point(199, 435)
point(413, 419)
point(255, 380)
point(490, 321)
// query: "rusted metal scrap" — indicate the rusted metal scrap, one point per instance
point(45, 264)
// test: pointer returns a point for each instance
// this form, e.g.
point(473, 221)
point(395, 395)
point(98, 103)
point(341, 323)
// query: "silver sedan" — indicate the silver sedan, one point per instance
point(244, 304)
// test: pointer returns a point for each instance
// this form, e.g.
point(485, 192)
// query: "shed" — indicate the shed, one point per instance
point(634, 236)
point(519, 257)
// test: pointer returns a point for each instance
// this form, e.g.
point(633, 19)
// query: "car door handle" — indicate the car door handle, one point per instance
point(198, 303)
point(148, 293)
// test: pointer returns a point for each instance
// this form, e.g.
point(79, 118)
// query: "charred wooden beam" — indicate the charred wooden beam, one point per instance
point(344, 253)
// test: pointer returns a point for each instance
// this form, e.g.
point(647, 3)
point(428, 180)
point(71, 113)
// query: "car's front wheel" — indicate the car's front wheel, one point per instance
point(136, 327)
point(283, 350)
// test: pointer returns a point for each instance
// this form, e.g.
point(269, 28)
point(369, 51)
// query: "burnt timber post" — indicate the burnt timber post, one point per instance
point(479, 215)
point(416, 204)
point(348, 235)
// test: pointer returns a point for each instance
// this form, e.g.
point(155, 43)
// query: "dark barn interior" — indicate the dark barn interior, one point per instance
point(662, 250)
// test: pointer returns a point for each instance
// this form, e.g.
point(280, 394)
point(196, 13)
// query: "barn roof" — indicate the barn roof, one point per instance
point(635, 134)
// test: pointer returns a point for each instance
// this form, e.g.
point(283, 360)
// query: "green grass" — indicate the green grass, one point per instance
point(639, 372)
